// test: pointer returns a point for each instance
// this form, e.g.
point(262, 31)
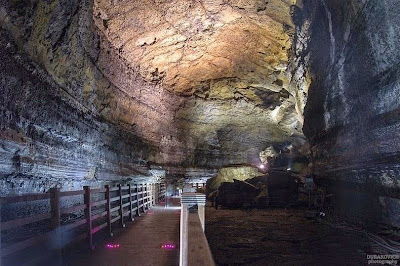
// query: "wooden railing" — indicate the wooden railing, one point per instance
point(194, 249)
point(199, 252)
point(119, 202)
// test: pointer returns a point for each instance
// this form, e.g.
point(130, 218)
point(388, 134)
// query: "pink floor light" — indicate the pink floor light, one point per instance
point(168, 246)
point(112, 246)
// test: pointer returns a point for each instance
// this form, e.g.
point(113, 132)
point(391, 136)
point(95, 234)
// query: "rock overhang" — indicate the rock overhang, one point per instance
point(190, 47)
point(226, 62)
point(116, 61)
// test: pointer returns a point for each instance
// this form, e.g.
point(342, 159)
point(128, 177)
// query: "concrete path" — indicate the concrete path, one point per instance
point(141, 243)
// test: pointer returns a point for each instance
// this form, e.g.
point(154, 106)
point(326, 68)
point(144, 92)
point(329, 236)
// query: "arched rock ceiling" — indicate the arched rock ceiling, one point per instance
point(224, 64)
point(211, 48)
point(201, 83)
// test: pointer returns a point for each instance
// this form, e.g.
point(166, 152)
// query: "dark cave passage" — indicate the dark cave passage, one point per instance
point(284, 113)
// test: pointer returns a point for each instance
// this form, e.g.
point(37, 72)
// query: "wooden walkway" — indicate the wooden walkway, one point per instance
point(143, 242)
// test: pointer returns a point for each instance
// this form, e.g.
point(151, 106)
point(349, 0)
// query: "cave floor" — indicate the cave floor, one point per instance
point(281, 237)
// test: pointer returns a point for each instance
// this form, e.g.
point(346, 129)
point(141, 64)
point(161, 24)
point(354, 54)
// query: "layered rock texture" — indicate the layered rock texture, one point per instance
point(48, 138)
point(100, 90)
point(352, 116)
point(221, 66)
point(211, 48)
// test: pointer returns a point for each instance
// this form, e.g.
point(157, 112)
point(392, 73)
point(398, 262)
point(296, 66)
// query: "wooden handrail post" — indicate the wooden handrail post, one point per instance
point(162, 191)
point(155, 193)
point(137, 200)
point(121, 208)
point(142, 193)
point(183, 242)
point(56, 219)
point(146, 199)
point(108, 209)
point(88, 215)
point(152, 194)
point(130, 203)
point(148, 194)
point(159, 191)
point(55, 207)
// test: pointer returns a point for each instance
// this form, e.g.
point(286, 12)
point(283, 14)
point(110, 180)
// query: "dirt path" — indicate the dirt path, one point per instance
point(280, 237)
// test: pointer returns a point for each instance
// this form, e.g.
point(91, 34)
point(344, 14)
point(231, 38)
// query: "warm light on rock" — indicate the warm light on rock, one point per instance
point(98, 92)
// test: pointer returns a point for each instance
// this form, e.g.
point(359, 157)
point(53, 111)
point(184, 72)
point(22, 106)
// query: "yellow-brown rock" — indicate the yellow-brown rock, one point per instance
point(179, 83)
point(189, 46)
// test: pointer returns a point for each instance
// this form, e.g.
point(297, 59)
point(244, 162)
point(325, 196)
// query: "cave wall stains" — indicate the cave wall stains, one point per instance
point(92, 111)
point(89, 94)
point(215, 116)
point(352, 113)
point(47, 140)
point(56, 123)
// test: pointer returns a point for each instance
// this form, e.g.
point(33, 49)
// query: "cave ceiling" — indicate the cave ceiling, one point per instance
point(213, 49)
point(201, 83)
point(227, 59)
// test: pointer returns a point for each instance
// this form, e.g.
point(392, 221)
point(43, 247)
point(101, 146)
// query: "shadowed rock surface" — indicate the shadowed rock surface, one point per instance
point(352, 114)
point(98, 91)
point(224, 99)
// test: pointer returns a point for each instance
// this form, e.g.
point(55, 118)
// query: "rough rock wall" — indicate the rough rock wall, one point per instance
point(48, 139)
point(352, 117)
point(140, 116)
point(56, 123)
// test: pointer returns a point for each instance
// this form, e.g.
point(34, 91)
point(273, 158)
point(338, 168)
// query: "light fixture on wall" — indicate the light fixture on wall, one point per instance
point(262, 168)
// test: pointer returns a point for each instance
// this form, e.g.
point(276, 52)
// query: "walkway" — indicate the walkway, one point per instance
point(143, 242)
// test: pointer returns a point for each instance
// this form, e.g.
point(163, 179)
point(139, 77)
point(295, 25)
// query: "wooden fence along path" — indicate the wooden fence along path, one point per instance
point(121, 203)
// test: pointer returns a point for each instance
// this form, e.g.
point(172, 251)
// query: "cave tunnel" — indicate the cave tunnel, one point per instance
point(273, 126)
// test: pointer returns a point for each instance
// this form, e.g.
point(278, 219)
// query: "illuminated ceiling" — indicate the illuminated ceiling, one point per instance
point(214, 49)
